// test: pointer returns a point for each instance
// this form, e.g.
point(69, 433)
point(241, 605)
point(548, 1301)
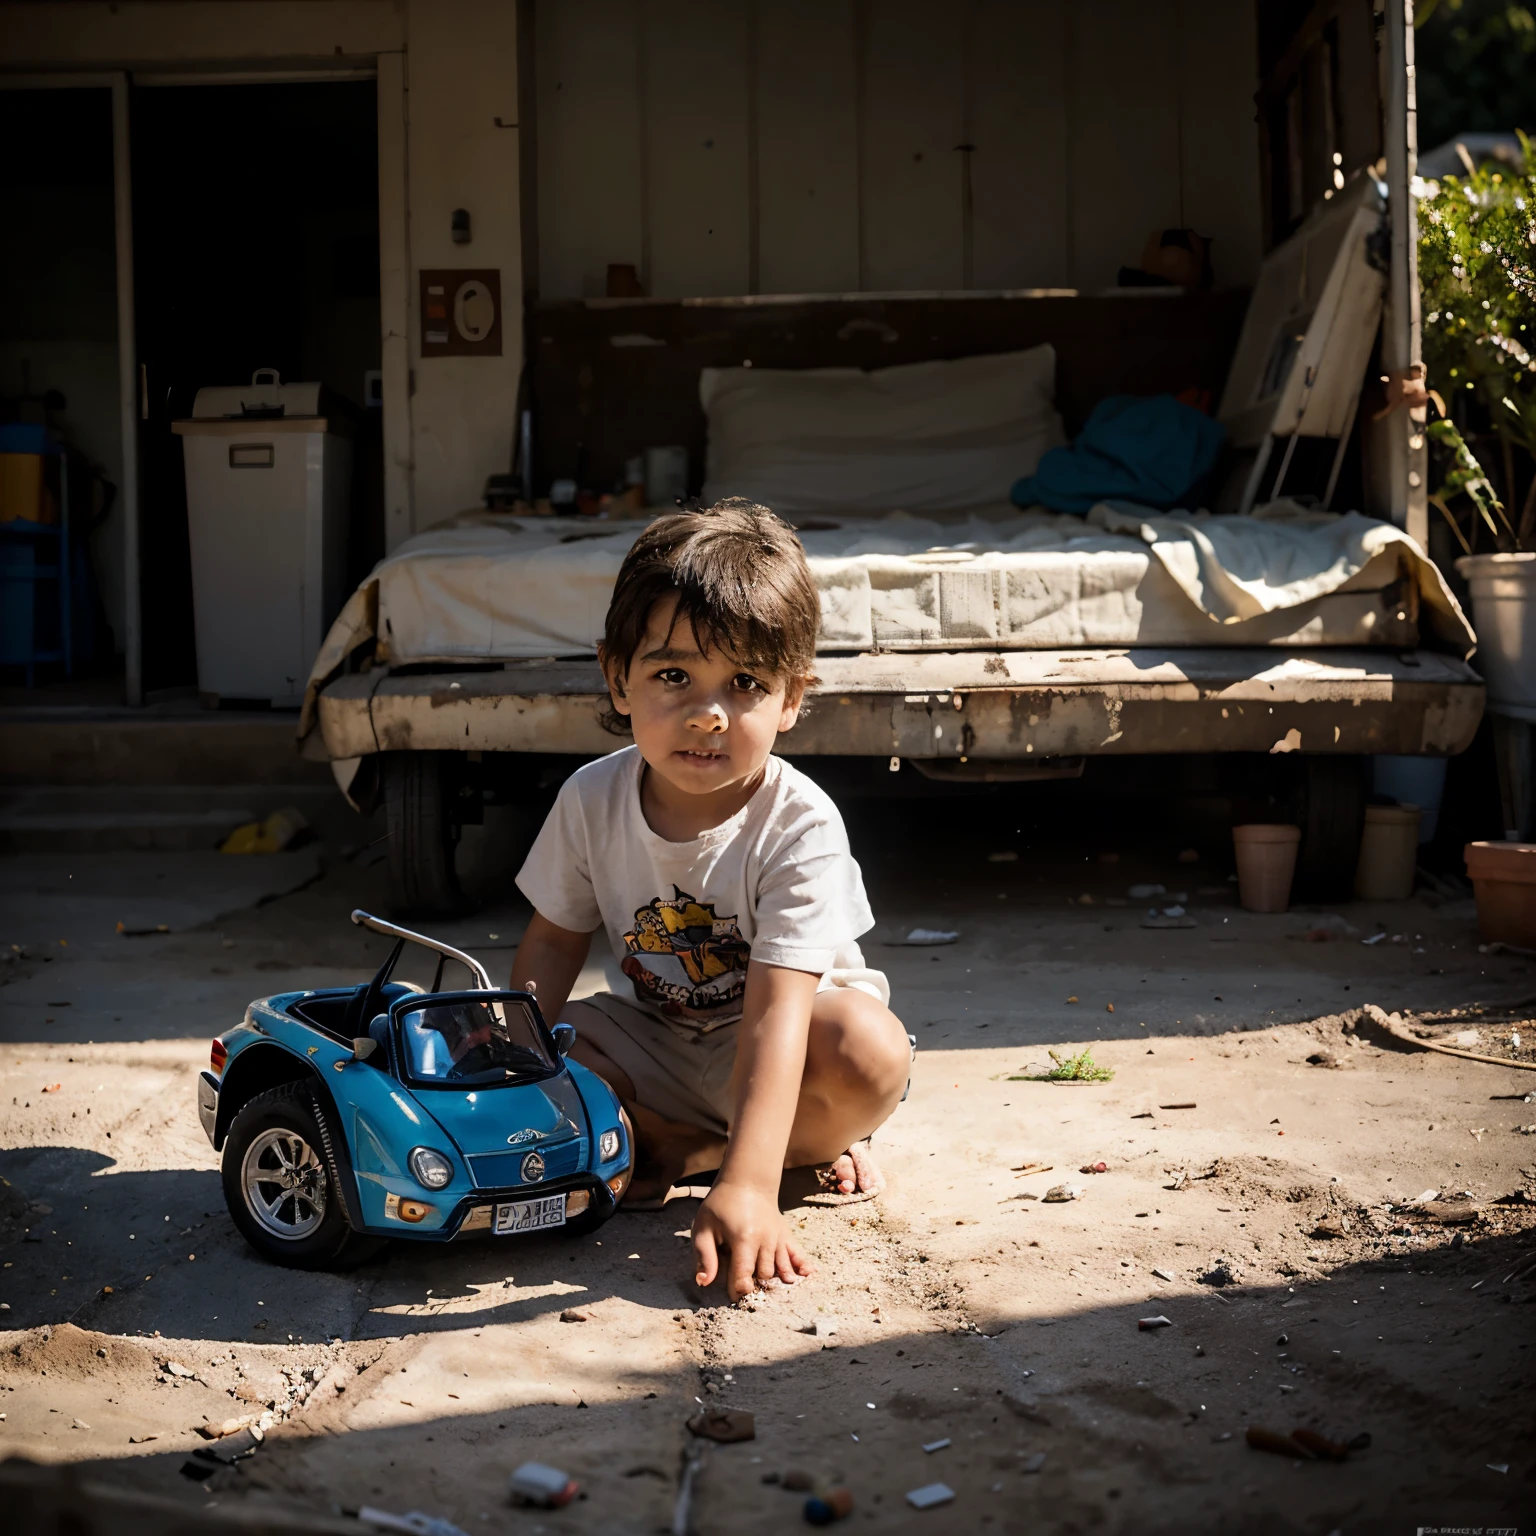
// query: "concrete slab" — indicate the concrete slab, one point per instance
point(48, 897)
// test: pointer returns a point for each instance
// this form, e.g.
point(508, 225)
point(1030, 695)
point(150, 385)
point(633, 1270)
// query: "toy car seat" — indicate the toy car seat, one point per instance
point(379, 1030)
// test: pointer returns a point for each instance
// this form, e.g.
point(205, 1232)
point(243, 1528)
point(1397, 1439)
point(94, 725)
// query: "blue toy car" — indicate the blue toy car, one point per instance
point(355, 1114)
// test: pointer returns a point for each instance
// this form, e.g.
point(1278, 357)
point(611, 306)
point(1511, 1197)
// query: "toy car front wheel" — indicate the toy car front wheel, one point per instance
point(280, 1188)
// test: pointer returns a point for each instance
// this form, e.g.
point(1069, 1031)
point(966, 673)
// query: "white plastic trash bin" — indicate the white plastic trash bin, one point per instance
point(269, 474)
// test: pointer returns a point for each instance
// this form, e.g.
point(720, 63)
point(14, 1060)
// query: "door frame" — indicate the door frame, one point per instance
point(394, 291)
point(127, 356)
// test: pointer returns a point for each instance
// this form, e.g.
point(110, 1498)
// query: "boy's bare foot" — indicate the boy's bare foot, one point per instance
point(650, 1184)
point(666, 1153)
point(855, 1172)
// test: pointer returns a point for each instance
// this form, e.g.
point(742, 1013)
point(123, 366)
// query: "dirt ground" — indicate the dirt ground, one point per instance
point(1333, 1223)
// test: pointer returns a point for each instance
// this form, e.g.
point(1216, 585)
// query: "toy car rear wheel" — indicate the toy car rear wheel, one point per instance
point(280, 1186)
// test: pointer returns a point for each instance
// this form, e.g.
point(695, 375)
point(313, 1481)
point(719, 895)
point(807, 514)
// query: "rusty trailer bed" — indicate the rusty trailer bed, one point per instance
point(977, 705)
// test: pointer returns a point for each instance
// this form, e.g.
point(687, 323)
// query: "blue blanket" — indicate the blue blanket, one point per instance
point(1154, 450)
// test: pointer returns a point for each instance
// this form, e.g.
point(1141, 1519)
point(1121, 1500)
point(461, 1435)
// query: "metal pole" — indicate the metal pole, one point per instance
point(128, 394)
point(1400, 332)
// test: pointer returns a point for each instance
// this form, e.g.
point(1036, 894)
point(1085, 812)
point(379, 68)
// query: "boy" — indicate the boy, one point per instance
point(755, 1038)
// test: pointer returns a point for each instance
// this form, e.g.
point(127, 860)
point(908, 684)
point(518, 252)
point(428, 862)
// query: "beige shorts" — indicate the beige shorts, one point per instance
point(683, 1075)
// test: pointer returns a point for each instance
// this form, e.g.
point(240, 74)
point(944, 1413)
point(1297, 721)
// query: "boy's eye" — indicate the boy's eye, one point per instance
point(673, 675)
point(747, 683)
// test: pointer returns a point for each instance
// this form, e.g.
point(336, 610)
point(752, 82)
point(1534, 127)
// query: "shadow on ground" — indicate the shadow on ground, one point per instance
point(1136, 1431)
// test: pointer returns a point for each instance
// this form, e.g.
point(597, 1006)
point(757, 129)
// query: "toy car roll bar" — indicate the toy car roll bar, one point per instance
point(378, 925)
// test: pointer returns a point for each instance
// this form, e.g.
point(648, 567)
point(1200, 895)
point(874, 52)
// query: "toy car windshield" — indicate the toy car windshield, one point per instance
point(473, 1040)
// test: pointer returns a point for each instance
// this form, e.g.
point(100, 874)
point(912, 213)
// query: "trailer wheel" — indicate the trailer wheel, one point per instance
point(423, 835)
point(1332, 813)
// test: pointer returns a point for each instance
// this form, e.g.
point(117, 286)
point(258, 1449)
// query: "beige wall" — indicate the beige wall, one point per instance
point(461, 75)
point(730, 146)
point(149, 33)
point(794, 146)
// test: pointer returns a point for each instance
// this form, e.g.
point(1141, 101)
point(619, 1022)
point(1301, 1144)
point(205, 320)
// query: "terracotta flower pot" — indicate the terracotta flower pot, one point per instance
point(1266, 864)
point(1504, 877)
point(1389, 853)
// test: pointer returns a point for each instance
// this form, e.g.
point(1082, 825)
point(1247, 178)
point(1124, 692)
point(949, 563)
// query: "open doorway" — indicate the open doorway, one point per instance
point(256, 245)
point(60, 413)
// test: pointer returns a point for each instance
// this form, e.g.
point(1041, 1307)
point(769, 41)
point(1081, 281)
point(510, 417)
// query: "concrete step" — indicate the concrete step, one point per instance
point(152, 746)
point(164, 819)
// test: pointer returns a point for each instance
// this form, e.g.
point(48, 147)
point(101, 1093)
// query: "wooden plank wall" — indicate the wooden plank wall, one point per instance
point(812, 146)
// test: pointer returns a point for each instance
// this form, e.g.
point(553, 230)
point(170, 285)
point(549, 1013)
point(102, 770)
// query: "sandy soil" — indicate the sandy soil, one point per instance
point(1277, 1223)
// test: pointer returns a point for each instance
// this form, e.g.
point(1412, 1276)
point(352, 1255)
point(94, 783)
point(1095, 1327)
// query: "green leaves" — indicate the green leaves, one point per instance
point(1079, 1069)
point(1477, 271)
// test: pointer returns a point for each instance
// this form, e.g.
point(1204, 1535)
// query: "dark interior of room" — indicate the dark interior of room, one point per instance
point(255, 246)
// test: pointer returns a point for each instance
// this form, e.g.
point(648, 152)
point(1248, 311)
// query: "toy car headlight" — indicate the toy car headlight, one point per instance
point(429, 1167)
point(608, 1146)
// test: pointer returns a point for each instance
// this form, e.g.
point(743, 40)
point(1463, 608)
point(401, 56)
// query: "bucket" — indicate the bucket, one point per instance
point(1389, 853)
point(1504, 877)
point(1504, 612)
point(1416, 781)
point(1266, 861)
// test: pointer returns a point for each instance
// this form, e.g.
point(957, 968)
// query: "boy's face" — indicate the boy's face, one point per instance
point(702, 720)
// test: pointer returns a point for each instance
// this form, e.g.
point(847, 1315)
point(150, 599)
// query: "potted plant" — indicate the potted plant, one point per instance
point(1477, 266)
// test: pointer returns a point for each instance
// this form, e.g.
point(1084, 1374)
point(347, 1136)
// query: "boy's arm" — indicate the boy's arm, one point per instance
point(553, 957)
point(742, 1210)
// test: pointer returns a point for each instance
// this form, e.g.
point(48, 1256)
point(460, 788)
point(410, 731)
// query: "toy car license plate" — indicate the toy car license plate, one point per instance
point(530, 1215)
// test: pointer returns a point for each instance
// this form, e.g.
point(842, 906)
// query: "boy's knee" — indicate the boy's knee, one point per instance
point(860, 1042)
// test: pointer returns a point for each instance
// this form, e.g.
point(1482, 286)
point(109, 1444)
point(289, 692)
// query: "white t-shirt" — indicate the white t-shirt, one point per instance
point(776, 882)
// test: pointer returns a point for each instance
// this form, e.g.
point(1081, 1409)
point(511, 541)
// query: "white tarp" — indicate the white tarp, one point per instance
point(492, 587)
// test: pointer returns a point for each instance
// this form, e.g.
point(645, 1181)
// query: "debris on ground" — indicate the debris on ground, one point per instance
point(1032, 1464)
point(414, 1522)
point(224, 1452)
point(938, 1445)
point(834, 1504)
point(543, 1486)
point(931, 1495)
point(1190, 1105)
point(1028, 1168)
point(1305, 1444)
point(726, 1425)
point(1460, 1210)
point(1162, 1274)
point(1099, 1167)
point(1150, 1324)
point(1220, 1273)
point(918, 937)
point(575, 1315)
point(1058, 1194)
point(280, 831)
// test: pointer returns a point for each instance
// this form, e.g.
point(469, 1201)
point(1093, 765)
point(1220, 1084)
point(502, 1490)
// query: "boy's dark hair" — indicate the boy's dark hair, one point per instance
point(741, 581)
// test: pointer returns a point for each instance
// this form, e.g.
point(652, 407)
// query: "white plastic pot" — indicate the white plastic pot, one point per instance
point(1504, 614)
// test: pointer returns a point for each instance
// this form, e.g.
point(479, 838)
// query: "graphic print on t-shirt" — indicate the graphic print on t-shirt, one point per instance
point(683, 958)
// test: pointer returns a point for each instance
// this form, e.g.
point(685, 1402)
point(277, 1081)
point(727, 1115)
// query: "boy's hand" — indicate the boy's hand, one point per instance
point(749, 1223)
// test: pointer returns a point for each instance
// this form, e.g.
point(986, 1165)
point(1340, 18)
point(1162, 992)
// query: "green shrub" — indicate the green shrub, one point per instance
point(1477, 270)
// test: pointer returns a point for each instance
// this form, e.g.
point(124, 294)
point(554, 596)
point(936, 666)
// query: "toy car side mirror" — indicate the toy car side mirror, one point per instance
point(363, 1048)
point(565, 1038)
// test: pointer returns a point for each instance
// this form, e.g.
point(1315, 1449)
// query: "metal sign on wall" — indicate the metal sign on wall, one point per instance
point(460, 312)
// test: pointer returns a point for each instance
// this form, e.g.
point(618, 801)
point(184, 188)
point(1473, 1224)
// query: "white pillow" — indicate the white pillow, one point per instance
point(924, 437)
